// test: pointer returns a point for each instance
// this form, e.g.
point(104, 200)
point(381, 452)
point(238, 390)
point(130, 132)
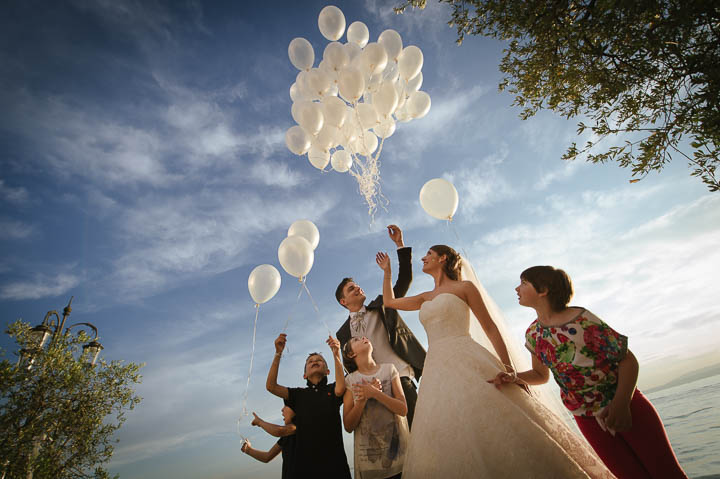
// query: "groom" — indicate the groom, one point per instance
point(392, 340)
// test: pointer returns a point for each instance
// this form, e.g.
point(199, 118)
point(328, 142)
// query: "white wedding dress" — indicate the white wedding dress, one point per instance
point(466, 428)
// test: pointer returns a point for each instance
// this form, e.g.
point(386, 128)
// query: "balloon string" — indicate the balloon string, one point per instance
point(287, 321)
point(317, 310)
point(460, 242)
point(252, 358)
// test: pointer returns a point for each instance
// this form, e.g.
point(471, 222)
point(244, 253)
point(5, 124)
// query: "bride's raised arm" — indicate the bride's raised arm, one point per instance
point(410, 303)
point(477, 305)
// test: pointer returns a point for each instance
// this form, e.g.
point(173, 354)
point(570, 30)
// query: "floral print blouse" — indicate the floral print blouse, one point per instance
point(583, 355)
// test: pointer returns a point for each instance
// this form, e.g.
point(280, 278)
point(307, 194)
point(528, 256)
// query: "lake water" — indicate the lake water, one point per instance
point(691, 414)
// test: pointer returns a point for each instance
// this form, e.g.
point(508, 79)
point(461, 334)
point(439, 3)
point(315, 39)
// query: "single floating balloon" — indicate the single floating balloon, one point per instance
point(296, 256)
point(263, 283)
point(331, 22)
point(297, 140)
point(307, 230)
point(301, 54)
point(392, 41)
point(358, 34)
point(341, 161)
point(439, 198)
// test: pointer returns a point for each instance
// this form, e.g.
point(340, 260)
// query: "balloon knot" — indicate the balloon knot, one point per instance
point(257, 305)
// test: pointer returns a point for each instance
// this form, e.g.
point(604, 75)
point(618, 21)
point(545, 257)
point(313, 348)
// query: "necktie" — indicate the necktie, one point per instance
point(357, 321)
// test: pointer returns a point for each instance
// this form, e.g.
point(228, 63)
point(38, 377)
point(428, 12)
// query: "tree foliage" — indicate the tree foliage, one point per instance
point(58, 416)
point(645, 73)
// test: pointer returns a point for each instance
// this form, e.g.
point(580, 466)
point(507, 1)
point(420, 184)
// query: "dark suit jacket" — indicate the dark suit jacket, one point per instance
point(401, 339)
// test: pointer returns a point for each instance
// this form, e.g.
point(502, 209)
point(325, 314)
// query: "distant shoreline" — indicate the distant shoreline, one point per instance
point(703, 373)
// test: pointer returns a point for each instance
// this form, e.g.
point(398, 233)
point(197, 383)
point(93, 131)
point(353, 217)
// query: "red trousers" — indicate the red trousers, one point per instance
point(642, 452)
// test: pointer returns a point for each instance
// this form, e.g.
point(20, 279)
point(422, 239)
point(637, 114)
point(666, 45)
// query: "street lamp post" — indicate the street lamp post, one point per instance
point(50, 328)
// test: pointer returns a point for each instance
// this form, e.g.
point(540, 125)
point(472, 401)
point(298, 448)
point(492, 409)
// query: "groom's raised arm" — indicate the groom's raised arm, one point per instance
point(404, 261)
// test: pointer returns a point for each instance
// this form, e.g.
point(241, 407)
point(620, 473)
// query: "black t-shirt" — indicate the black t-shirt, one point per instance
point(319, 450)
point(287, 444)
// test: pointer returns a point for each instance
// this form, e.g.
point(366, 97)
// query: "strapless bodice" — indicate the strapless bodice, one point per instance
point(445, 316)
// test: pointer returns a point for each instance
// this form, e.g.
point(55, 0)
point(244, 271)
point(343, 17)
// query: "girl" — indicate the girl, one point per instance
point(374, 407)
point(597, 375)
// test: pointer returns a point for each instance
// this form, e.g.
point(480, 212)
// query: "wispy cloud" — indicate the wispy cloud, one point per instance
point(14, 230)
point(40, 286)
point(670, 253)
point(10, 194)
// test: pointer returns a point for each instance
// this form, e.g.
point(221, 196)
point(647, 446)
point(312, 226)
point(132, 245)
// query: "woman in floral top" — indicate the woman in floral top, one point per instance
point(597, 374)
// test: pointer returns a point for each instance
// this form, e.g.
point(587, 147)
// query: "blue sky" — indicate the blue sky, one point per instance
point(144, 171)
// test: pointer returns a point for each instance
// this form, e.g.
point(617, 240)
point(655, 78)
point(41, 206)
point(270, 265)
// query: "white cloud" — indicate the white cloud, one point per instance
point(275, 173)
point(644, 280)
point(39, 287)
point(481, 184)
point(183, 236)
point(13, 195)
point(14, 230)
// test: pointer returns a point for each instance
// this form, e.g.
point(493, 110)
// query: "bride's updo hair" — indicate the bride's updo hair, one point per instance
point(553, 280)
point(452, 264)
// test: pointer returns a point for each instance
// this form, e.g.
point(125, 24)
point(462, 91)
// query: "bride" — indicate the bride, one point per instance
point(465, 427)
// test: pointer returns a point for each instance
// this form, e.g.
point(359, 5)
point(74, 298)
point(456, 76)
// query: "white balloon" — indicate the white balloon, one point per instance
point(365, 144)
point(307, 230)
point(297, 140)
point(295, 93)
point(401, 114)
point(392, 41)
point(374, 58)
point(334, 111)
point(350, 128)
point(263, 283)
point(331, 22)
point(391, 72)
point(367, 115)
point(373, 85)
point(336, 56)
point(327, 138)
point(386, 99)
point(351, 84)
point(418, 104)
point(296, 256)
point(410, 62)
point(301, 54)
point(439, 198)
point(309, 116)
point(341, 161)
point(302, 86)
point(414, 84)
point(318, 158)
point(386, 128)
point(353, 50)
point(319, 81)
point(402, 96)
point(358, 33)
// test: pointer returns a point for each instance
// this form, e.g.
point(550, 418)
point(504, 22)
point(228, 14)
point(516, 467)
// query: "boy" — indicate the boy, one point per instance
point(319, 450)
point(286, 443)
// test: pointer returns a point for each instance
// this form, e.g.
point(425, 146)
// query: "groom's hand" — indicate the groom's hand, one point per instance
point(395, 234)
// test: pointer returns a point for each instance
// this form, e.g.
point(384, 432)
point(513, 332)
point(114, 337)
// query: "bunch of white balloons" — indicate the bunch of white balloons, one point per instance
point(297, 252)
point(347, 105)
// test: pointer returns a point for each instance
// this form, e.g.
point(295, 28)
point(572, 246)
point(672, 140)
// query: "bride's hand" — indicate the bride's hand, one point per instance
point(502, 378)
point(383, 260)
